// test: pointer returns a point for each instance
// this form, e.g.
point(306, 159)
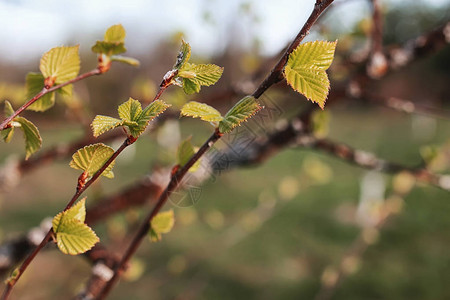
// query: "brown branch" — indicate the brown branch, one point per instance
point(175, 181)
point(82, 186)
point(5, 124)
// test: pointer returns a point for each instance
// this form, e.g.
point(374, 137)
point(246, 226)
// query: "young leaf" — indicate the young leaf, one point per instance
point(305, 70)
point(239, 113)
point(161, 223)
point(74, 237)
point(185, 152)
point(91, 158)
point(113, 42)
point(34, 84)
point(8, 109)
point(201, 110)
point(102, 124)
point(149, 113)
point(190, 86)
point(130, 110)
point(203, 74)
point(60, 64)
point(183, 55)
point(7, 133)
point(115, 34)
point(33, 141)
point(194, 76)
point(76, 212)
point(127, 60)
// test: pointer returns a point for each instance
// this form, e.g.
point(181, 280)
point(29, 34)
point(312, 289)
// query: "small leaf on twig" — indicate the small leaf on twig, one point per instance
point(113, 41)
point(185, 152)
point(195, 76)
point(102, 124)
point(72, 235)
point(239, 113)
point(91, 158)
point(201, 110)
point(60, 64)
point(305, 70)
point(161, 223)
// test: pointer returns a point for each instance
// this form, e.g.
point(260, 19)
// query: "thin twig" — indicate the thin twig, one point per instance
point(80, 189)
point(5, 124)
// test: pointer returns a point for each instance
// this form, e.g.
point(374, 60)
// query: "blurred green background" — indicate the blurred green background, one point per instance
point(275, 231)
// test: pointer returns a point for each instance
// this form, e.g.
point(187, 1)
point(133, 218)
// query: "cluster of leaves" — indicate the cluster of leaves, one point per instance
point(192, 76)
point(304, 71)
point(132, 117)
point(72, 235)
point(59, 66)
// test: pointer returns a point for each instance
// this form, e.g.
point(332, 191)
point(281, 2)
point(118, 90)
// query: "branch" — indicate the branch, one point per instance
point(5, 124)
point(80, 189)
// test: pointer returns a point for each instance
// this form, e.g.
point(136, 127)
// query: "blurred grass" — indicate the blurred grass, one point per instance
point(260, 233)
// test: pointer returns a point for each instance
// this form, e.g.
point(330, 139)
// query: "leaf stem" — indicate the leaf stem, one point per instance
point(175, 181)
point(44, 91)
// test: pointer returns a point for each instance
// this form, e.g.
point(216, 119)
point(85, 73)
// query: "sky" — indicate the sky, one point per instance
point(32, 27)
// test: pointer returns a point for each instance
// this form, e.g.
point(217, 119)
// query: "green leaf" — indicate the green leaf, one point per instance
point(113, 42)
point(34, 84)
point(161, 223)
point(185, 152)
point(8, 109)
point(7, 134)
point(194, 76)
point(148, 114)
point(108, 48)
point(183, 55)
point(13, 277)
point(115, 34)
point(102, 124)
point(239, 113)
point(202, 74)
point(201, 110)
point(61, 64)
point(127, 60)
point(91, 158)
point(305, 70)
point(190, 86)
point(74, 237)
point(33, 141)
point(76, 212)
point(130, 110)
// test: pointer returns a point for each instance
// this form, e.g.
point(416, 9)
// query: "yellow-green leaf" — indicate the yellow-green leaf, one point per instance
point(130, 110)
point(102, 124)
point(148, 114)
point(161, 223)
point(183, 55)
point(115, 34)
point(127, 60)
point(34, 84)
point(305, 70)
point(33, 141)
point(76, 212)
point(190, 86)
point(8, 109)
point(74, 237)
point(91, 158)
point(61, 64)
point(240, 112)
point(194, 76)
point(201, 110)
point(185, 152)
